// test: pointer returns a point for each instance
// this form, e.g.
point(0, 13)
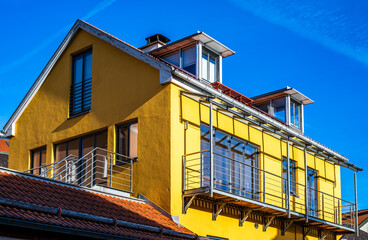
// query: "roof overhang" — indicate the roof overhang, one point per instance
point(205, 39)
point(295, 94)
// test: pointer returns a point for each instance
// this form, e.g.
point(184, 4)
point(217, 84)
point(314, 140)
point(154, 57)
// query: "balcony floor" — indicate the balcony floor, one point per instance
point(266, 209)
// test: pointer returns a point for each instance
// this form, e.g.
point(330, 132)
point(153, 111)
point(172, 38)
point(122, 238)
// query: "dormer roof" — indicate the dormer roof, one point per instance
point(199, 36)
point(295, 94)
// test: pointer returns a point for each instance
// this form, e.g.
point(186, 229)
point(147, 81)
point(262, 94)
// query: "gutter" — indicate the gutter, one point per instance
point(263, 117)
point(84, 216)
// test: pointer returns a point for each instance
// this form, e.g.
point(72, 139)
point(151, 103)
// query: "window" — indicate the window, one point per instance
point(275, 107)
point(209, 63)
point(80, 90)
point(235, 163)
point(312, 192)
point(184, 58)
point(295, 117)
point(292, 170)
point(278, 109)
point(127, 140)
point(81, 172)
point(38, 159)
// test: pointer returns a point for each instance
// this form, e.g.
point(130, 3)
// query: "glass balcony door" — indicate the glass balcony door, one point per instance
point(235, 163)
point(312, 192)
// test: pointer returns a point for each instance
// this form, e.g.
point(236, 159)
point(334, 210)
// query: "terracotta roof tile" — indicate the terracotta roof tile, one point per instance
point(362, 215)
point(27, 189)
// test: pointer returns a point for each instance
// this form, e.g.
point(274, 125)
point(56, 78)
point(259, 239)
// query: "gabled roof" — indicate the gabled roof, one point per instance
point(81, 25)
point(25, 198)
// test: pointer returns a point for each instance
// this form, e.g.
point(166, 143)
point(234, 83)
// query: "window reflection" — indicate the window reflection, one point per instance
point(235, 163)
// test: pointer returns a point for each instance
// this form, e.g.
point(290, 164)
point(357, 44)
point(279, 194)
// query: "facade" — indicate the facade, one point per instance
point(158, 121)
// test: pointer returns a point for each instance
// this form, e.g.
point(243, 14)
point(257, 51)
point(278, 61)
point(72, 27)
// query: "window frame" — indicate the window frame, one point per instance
point(295, 104)
point(37, 151)
point(293, 178)
point(254, 166)
point(313, 201)
point(209, 53)
point(85, 85)
point(117, 128)
point(180, 53)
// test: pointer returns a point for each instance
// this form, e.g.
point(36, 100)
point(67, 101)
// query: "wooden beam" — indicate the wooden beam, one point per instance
point(217, 209)
point(267, 222)
point(244, 216)
point(187, 205)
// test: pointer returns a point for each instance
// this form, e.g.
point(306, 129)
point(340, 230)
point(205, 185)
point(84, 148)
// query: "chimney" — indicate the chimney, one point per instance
point(154, 42)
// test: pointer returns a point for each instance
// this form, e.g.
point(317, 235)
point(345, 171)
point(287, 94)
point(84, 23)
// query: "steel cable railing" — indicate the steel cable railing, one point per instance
point(241, 179)
point(99, 167)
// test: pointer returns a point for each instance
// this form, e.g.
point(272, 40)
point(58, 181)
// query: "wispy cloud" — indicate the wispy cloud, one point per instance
point(14, 64)
point(339, 25)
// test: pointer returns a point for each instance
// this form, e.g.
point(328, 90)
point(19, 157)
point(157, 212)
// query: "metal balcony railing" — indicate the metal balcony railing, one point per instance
point(99, 167)
point(244, 182)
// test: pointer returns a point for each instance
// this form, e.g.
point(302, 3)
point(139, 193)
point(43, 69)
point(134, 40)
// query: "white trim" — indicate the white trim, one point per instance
point(165, 70)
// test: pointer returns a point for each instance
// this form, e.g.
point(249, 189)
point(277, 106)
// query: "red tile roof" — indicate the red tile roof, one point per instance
point(4, 147)
point(68, 206)
point(362, 215)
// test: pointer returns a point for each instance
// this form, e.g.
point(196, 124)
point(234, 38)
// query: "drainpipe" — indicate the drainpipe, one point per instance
point(306, 200)
point(288, 178)
point(356, 204)
point(211, 152)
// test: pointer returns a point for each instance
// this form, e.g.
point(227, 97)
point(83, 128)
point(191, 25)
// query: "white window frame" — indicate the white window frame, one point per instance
point(218, 63)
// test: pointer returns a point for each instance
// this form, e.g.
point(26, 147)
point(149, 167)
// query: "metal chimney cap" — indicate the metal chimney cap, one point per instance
point(157, 37)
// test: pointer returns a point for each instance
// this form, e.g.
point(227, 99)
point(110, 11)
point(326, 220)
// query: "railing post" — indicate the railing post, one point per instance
point(264, 186)
point(131, 175)
point(356, 204)
point(288, 178)
point(92, 160)
point(323, 207)
point(201, 169)
point(111, 170)
point(339, 212)
point(185, 172)
point(211, 151)
point(306, 185)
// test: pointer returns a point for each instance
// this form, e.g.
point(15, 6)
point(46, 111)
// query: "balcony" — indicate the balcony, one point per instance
point(99, 169)
point(226, 181)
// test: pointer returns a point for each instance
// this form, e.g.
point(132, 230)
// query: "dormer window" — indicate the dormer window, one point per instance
point(284, 104)
point(295, 116)
point(209, 64)
point(184, 58)
point(198, 54)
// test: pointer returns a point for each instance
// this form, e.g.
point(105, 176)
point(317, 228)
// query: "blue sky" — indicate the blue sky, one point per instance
point(317, 47)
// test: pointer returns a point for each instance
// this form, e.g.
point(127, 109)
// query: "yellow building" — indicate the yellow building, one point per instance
point(158, 122)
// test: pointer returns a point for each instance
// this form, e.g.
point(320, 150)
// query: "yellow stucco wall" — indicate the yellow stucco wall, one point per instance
point(187, 140)
point(123, 88)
